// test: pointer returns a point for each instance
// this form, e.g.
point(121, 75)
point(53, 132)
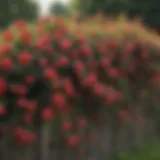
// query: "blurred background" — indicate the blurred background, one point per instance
point(148, 11)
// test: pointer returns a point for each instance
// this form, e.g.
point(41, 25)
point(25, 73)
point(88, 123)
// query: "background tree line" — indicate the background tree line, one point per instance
point(10, 10)
point(148, 11)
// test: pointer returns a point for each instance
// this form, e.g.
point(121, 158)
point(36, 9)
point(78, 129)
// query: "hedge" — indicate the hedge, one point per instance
point(64, 74)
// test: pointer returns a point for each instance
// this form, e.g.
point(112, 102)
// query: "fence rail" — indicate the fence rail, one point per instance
point(108, 140)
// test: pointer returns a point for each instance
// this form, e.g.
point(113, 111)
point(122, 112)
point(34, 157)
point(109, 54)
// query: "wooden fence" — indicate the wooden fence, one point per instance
point(108, 140)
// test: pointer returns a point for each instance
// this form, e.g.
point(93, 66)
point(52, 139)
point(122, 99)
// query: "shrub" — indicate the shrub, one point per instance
point(65, 73)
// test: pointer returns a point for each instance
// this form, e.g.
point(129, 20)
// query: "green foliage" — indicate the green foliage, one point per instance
point(150, 151)
point(25, 9)
point(90, 7)
point(59, 9)
point(10, 10)
point(148, 10)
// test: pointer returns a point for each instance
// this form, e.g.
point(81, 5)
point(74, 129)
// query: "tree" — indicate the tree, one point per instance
point(25, 9)
point(148, 11)
point(90, 7)
point(59, 9)
point(10, 10)
point(5, 13)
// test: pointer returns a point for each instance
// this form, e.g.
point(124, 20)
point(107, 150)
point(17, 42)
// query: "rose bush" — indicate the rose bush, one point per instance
point(65, 73)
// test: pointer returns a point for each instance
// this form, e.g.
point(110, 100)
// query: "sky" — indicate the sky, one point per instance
point(44, 4)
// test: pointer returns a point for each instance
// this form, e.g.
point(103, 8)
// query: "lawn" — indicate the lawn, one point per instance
point(150, 151)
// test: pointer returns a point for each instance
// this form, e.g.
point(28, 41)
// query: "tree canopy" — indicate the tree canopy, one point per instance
point(11, 10)
point(59, 9)
point(148, 11)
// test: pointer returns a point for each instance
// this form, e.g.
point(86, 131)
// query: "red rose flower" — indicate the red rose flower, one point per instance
point(78, 66)
point(25, 36)
point(2, 110)
point(86, 51)
point(25, 57)
point(30, 79)
point(7, 35)
point(68, 87)
point(22, 136)
point(43, 43)
point(72, 141)
point(32, 106)
point(66, 125)
point(98, 89)
point(30, 137)
point(105, 63)
point(49, 73)
point(21, 90)
point(80, 38)
point(113, 73)
point(22, 103)
point(90, 80)
point(62, 61)
point(123, 114)
point(6, 64)
point(114, 44)
point(28, 117)
point(2, 86)
point(47, 113)
point(65, 45)
point(20, 24)
point(5, 48)
point(43, 62)
point(59, 100)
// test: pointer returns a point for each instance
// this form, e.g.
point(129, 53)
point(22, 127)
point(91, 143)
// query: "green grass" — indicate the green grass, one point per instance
point(149, 151)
